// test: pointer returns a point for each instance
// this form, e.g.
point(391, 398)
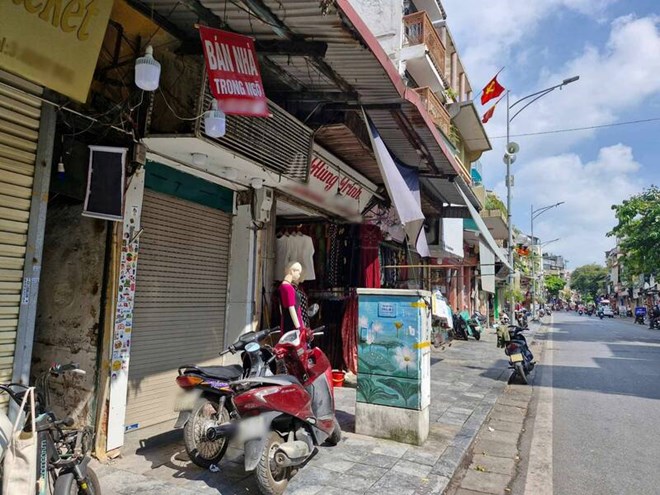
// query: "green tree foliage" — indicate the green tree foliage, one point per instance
point(494, 203)
point(589, 280)
point(516, 294)
point(554, 284)
point(638, 231)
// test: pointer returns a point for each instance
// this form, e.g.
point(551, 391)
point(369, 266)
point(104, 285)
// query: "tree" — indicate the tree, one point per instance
point(554, 284)
point(589, 280)
point(638, 231)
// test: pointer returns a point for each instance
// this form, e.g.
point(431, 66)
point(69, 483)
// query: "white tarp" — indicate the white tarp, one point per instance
point(487, 262)
point(406, 203)
point(483, 231)
point(451, 236)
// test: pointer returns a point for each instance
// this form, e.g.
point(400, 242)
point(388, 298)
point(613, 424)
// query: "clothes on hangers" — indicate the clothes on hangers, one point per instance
point(291, 248)
point(304, 304)
point(349, 333)
point(370, 239)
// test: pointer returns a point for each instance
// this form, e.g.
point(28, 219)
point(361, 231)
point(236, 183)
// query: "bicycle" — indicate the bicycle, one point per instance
point(62, 452)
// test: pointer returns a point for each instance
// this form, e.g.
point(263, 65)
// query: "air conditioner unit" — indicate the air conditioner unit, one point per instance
point(262, 204)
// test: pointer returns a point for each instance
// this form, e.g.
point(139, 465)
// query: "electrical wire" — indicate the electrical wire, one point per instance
point(174, 113)
point(573, 129)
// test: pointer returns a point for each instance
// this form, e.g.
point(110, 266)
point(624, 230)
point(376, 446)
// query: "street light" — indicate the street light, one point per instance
point(510, 156)
point(548, 242)
point(535, 214)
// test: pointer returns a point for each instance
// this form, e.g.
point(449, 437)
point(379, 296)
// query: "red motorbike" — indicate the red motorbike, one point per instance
point(283, 417)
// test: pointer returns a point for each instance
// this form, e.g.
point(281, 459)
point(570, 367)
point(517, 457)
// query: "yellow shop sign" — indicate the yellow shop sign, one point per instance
point(54, 43)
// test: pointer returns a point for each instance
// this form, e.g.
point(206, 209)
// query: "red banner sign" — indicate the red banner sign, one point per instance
point(233, 69)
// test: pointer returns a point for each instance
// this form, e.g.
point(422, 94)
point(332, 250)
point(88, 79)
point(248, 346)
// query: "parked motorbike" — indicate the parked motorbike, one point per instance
point(206, 397)
point(283, 418)
point(640, 314)
point(472, 324)
point(521, 359)
point(62, 452)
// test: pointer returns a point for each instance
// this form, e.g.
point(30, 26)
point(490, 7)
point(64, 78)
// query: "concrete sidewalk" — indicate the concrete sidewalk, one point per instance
point(467, 378)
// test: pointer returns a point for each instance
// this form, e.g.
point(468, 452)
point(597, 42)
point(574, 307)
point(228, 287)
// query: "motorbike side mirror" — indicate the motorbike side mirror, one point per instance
point(313, 310)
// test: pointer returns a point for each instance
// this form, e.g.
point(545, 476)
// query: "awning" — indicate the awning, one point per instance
point(483, 230)
point(469, 125)
point(487, 262)
point(406, 201)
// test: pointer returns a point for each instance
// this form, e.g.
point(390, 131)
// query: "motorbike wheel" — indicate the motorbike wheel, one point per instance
point(335, 437)
point(520, 371)
point(476, 334)
point(201, 451)
point(271, 479)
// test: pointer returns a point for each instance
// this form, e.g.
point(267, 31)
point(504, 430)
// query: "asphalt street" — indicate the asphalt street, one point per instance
point(599, 383)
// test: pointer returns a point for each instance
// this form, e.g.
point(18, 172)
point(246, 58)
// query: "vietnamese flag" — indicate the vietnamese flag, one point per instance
point(488, 114)
point(492, 90)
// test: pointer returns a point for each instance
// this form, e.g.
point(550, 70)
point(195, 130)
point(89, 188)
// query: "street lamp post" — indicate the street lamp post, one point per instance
point(533, 215)
point(510, 157)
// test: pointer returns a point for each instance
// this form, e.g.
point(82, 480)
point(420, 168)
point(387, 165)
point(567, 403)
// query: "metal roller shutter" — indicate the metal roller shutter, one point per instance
point(19, 132)
point(180, 298)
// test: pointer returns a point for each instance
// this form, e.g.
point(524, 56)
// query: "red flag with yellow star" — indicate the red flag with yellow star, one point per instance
point(488, 114)
point(492, 90)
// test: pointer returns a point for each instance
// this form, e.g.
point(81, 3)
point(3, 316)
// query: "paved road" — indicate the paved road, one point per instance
point(599, 383)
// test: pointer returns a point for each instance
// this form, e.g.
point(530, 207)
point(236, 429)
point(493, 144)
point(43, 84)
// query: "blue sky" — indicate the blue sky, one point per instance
point(614, 45)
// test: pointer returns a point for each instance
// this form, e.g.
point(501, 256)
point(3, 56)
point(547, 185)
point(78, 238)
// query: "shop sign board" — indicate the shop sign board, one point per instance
point(334, 187)
point(233, 71)
point(54, 43)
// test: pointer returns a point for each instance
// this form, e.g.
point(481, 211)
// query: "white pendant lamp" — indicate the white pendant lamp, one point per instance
point(147, 71)
point(214, 121)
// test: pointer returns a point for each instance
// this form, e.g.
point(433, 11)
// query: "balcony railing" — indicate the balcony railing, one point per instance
point(493, 214)
point(436, 109)
point(419, 30)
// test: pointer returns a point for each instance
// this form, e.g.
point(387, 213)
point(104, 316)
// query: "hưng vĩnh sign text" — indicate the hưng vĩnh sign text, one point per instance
point(233, 70)
point(54, 43)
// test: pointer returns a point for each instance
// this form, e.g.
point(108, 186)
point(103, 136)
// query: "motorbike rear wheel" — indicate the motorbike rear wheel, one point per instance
point(201, 451)
point(272, 479)
point(520, 371)
point(335, 437)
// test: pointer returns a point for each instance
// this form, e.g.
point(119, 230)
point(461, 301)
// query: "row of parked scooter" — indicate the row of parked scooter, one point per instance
point(279, 405)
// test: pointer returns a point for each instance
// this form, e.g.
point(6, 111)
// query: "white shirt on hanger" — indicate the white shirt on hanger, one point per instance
point(301, 249)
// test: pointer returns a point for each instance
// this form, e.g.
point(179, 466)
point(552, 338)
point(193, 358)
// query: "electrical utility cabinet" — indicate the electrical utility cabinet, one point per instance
point(394, 364)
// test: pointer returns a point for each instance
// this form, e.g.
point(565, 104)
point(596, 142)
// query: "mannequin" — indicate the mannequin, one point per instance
point(289, 300)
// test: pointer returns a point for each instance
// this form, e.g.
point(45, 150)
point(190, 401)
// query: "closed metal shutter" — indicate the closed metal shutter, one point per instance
point(180, 298)
point(19, 132)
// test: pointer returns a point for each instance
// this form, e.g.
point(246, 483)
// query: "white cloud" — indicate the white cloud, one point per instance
point(617, 79)
point(487, 32)
point(588, 190)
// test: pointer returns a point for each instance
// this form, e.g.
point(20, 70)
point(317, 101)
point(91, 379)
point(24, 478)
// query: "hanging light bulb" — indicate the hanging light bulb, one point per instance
point(214, 121)
point(147, 71)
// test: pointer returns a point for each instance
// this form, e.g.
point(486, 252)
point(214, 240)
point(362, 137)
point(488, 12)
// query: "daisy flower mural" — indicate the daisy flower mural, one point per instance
point(404, 358)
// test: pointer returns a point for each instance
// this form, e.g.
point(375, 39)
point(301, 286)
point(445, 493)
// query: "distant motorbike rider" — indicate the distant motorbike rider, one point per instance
point(655, 315)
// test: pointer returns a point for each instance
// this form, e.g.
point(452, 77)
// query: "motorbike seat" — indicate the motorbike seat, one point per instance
point(230, 372)
point(288, 378)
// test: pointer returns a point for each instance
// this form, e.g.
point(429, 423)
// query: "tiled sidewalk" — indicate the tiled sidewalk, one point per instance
point(467, 379)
